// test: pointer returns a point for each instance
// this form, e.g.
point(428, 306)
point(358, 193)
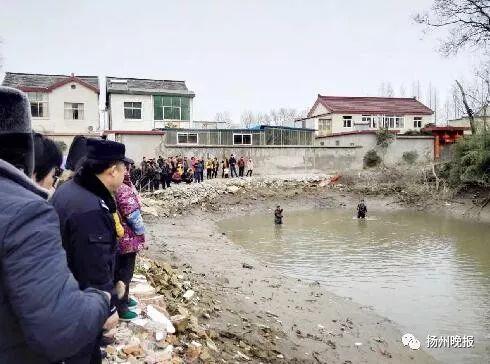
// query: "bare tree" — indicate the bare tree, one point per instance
point(382, 89)
point(467, 23)
point(247, 118)
point(389, 90)
point(476, 97)
point(224, 117)
point(266, 119)
point(402, 92)
point(416, 89)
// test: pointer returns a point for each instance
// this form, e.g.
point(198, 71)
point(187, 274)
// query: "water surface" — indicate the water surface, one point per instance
point(430, 274)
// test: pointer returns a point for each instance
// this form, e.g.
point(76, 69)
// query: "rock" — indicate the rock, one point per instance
point(111, 350)
point(188, 294)
point(205, 356)
point(160, 318)
point(211, 345)
point(134, 350)
point(143, 290)
point(241, 355)
point(193, 351)
point(233, 189)
point(248, 266)
point(172, 340)
point(181, 322)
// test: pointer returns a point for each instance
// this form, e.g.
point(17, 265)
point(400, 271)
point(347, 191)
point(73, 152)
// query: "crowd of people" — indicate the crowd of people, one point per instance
point(68, 242)
point(154, 174)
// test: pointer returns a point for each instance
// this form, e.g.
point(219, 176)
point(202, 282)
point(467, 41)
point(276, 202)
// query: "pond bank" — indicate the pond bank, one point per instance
point(262, 314)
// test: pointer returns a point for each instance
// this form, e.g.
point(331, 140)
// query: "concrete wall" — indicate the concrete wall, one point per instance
point(139, 146)
point(147, 122)
point(282, 160)
point(55, 121)
point(424, 145)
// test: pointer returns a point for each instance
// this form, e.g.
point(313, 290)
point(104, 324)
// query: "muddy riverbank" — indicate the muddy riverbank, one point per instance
point(262, 314)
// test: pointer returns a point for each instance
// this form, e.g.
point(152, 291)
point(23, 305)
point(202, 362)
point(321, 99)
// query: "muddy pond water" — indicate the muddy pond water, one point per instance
point(430, 274)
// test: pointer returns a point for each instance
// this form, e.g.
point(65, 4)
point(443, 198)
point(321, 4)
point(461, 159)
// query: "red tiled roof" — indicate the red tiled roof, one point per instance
point(373, 105)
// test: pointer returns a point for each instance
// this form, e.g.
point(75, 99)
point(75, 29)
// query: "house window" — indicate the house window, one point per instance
point(187, 138)
point(399, 122)
point(369, 120)
point(171, 108)
point(39, 104)
point(337, 142)
point(325, 126)
point(132, 110)
point(417, 122)
point(392, 121)
point(73, 111)
point(347, 121)
point(242, 139)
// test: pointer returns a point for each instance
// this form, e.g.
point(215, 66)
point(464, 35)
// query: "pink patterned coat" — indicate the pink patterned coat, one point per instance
point(129, 207)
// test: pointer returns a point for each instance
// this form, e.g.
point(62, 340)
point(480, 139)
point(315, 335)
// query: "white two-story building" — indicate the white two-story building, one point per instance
point(135, 104)
point(334, 115)
point(61, 105)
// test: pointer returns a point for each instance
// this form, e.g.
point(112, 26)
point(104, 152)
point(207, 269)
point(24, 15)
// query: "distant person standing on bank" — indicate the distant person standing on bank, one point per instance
point(250, 167)
point(232, 163)
point(241, 167)
point(361, 210)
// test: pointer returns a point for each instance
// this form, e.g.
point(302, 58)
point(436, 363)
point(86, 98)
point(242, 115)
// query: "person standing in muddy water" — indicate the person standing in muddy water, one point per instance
point(361, 210)
point(278, 215)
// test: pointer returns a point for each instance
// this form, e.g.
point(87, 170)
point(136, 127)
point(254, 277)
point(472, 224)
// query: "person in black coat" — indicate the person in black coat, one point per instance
point(44, 316)
point(232, 163)
point(88, 218)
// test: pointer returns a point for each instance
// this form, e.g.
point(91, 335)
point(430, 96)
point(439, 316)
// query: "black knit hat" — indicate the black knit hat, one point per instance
point(16, 144)
point(78, 150)
point(106, 150)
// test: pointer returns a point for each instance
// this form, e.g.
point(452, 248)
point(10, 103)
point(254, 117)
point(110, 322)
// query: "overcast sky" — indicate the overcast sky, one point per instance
point(235, 55)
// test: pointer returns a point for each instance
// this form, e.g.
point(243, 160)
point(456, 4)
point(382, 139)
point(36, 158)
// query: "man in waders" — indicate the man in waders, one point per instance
point(361, 210)
point(278, 215)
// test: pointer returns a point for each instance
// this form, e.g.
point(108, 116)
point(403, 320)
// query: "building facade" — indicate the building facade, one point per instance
point(143, 104)
point(60, 104)
point(332, 115)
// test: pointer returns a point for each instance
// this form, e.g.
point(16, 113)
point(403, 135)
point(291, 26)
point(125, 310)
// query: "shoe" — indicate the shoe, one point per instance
point(132, 302)
point(128, 316)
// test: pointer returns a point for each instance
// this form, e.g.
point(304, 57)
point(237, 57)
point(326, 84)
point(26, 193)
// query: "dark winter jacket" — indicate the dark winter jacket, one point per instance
point(85, 208)
point(232, 161)
point(44, 317)
point(199, 167)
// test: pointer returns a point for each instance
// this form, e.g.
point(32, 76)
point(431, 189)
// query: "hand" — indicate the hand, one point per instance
point(111, 322)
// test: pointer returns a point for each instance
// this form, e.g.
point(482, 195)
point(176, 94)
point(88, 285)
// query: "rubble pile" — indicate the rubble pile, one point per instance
point(167, 329)
point(207, 195)
point(170, 329)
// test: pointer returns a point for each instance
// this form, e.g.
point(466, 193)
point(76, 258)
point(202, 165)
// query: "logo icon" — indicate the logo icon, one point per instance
point(411, 341)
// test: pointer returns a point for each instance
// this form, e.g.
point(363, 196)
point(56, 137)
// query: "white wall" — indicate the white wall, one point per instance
point(55, 121)
point(147, 122)
point(424, 145)
point(118, 122)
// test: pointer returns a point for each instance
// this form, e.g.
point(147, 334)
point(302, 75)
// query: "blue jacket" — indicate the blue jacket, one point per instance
point(85, 208)
point(44, 316)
